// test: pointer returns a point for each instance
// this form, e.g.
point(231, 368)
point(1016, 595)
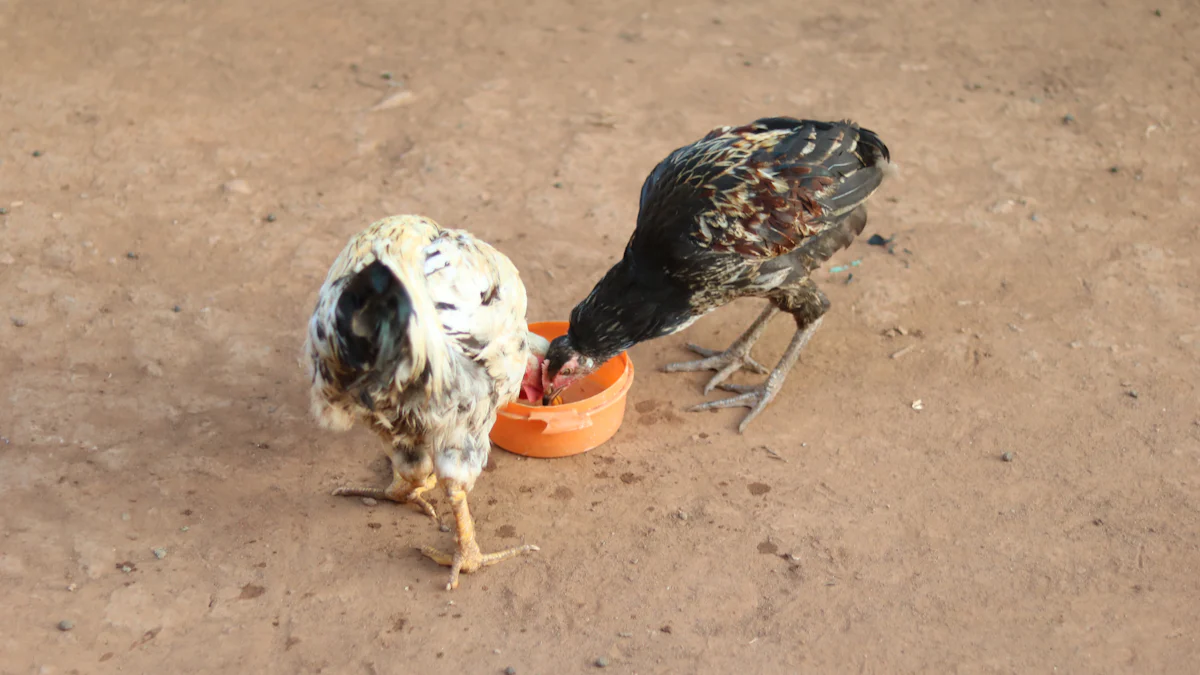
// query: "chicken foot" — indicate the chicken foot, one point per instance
point(467, 558)
point(756, 397)
point(403, 490)
point(733, 359)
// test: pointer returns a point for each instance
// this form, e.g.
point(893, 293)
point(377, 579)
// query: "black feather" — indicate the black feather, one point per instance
point(373, 313)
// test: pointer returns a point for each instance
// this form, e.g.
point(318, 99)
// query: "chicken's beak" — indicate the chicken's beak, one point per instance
point(549, 395)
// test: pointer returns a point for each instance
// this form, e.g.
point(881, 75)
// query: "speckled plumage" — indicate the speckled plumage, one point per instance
point(420, 333)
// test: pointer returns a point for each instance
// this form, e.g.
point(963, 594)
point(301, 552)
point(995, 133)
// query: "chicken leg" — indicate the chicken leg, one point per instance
point(807, 304)
point(467, 558)
point(410, 480)
point(733, 359)
point(756, 397)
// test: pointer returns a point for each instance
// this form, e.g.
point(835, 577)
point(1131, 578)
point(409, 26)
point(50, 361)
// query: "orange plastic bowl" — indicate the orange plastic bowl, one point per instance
point(590, 414)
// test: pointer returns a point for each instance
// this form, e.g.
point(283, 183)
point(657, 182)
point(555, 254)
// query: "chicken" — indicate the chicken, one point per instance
point(746, 211)
point(419, 332)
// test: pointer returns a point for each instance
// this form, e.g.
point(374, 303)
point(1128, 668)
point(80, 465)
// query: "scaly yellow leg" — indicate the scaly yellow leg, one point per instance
point(467, 558)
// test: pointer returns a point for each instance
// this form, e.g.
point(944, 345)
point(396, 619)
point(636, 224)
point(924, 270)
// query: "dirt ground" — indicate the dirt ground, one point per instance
point(178, 175)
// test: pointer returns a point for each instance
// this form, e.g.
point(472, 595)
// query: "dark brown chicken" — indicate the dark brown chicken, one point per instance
point(746, 211)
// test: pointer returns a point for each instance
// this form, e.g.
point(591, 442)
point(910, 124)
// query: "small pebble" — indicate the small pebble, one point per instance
point(3, 211)
point(71, 587)
point(160, 553)
point(625, 634)
point(1008, 457)
point(18, 322)
point(1068, 118)
point(238, 186)
point(601, 662)
point(369, 501)
point(124, 516)
point(37, 153)
point(66, 625)
point(1158, 12)
point(1132, 393)
point(558, 184)
point(131, 255)
point(510, 671)
point(177, 309)
point(666, 629)
point(184, 528)
point(1114, 169)
point(271, 217)
point(386, 75)
point(1034, 217)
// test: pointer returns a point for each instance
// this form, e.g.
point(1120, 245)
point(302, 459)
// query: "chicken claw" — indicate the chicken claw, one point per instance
point(725, 363)
point(402, 491)
point(756, 397)
point(731, 360)
point(467, 558)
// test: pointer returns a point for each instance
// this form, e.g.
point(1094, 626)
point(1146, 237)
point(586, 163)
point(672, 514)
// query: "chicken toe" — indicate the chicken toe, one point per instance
point(733, 359)
point(467, 558)
point(757, 397)
point(402, 491)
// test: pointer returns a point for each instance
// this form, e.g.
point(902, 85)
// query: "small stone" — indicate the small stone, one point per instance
point(131, 255)
point(38, 153)
point(271, 218)
point(66, 625)
point(601, 662)
point(177, 309)
point(1132, 393)
point(1158, 12)
point(918, 405)
point(72, 587)
point(1034, 217)
point(625, 634)
point(18, 322)
point(126, 569)
point(184, 528)
point(510, 671)
point(237, 186)
point(125, 516)
point(666, 629)
point(682, 515)
point(1114, 169)
point(1068, 118)
point(370, 501)
point(385, 75)
point(160, 553)
point(1007, 456)
point(3, 211)
point(558, 185)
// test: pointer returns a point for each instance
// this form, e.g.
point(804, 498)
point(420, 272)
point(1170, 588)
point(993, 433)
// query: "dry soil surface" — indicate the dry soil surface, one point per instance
point(177, 176)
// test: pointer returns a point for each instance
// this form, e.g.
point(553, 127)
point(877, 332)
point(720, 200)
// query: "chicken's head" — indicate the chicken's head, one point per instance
point(563, 367)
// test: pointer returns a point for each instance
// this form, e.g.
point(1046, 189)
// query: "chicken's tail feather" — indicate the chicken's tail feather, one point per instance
point(372, 321)
point(860, 168)
point(817, 250)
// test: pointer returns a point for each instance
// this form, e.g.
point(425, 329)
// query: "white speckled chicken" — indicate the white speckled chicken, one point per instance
point(420, 333)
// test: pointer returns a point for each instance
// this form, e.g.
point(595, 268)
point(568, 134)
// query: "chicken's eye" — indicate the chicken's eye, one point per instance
point(566, 371)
